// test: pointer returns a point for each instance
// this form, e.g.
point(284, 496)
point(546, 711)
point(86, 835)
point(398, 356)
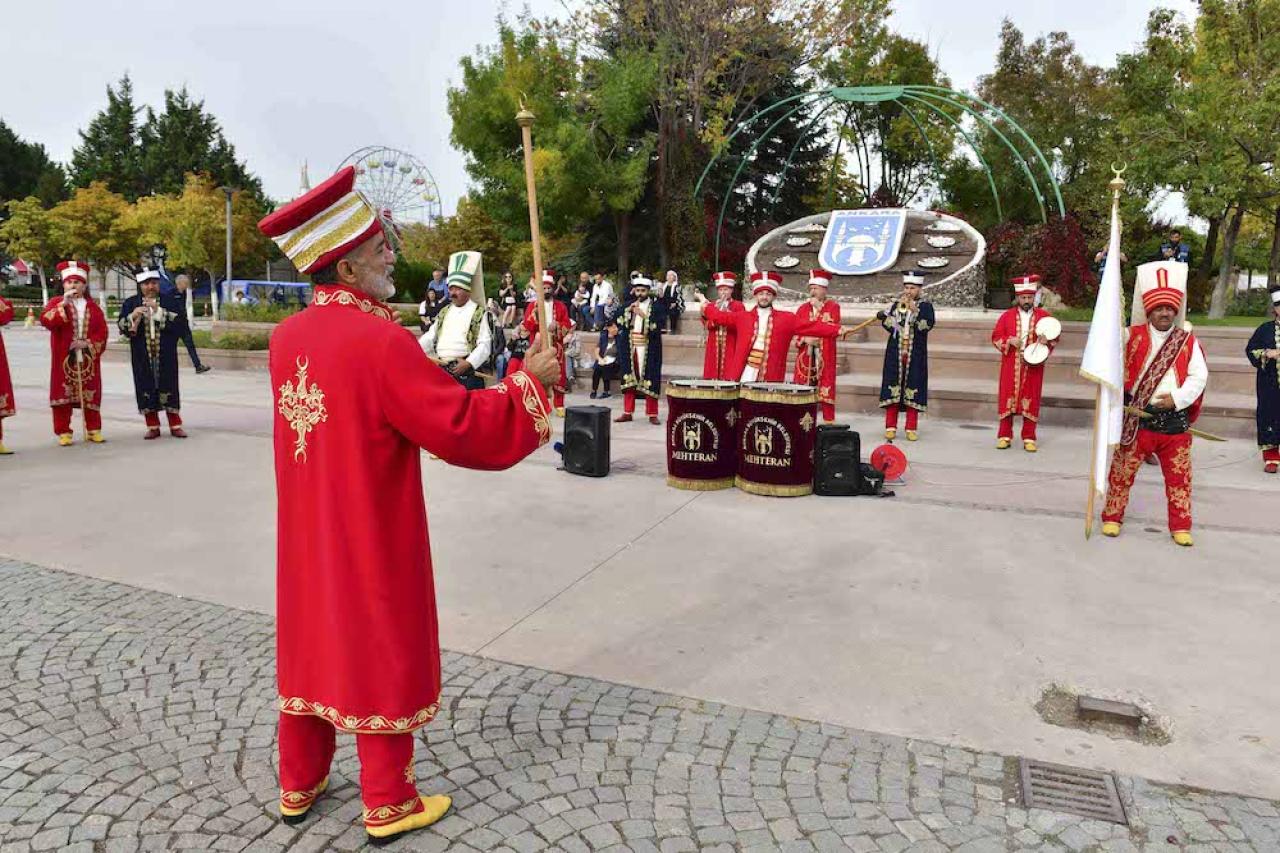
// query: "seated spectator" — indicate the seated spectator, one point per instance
point(579, 302)
point(428, 309)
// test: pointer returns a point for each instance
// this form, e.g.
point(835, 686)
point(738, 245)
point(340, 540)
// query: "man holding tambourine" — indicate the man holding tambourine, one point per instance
point(1025, 336)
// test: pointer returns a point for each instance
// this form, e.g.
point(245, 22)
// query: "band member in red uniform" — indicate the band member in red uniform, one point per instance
point(764, 332)
point(816, 357)
point(1165, 375)
point(639, 342)
point(78, 336)
point(1021, 383)
point(558, 326)
point(721, 339)
point(8, 405)
point(356, 399)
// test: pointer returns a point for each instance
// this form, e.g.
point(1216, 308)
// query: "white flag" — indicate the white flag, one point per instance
point(1104, 360)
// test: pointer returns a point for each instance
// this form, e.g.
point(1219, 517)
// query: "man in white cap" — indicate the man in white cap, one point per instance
point(816, 357)
point(1021, 383)
point(639, 343)
point(904, 379)
point(77, 337)
point(721, 339)
point(153, 324)
point(461, 338)
point(1263, 352)
point(559, 326)
point(1165, 374)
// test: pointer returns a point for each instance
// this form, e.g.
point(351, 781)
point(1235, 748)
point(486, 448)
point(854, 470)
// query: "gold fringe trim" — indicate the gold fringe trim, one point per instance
point(682, 392)
point(383, 815)
point(802, 398)
point(771, 490)
point(699, 485)
point(374, 724)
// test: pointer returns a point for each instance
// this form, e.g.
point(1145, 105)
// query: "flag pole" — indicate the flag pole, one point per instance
point(524, 118)
point(1116, 184)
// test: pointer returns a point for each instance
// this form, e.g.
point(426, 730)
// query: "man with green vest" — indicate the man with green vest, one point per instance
point(461, 338)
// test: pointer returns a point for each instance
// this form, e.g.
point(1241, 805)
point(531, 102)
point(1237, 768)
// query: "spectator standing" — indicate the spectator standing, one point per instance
point(572, 358)
point(601, 296)
point(439, 286)
point(1174, 249)
point(606, 366)
point(507, 300)
point(182, 289)
point(673, 299)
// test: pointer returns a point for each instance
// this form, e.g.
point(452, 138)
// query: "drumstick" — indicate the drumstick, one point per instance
point(1207, 436)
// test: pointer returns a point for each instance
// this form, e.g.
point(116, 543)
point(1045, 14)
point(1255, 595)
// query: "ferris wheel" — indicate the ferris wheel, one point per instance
point(397, 183)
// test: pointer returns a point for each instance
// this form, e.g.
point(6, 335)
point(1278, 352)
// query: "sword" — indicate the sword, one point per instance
point(1207, 436)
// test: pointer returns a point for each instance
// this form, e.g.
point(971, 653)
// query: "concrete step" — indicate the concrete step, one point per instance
point(1063, 404)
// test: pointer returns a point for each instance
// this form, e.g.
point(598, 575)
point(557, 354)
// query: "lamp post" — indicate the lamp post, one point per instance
point(213, 291)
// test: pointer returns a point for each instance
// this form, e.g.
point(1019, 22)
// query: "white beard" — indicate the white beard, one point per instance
point(381, 287)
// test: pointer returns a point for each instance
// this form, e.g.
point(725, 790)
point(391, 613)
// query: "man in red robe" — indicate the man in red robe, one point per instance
point(1165, 374)
point(816, 357)
point(721, 339)
point(764, 333)
point(559, 325)
point(356, 399)
point(1021, 383)
point(78, 336)
point(8, 405)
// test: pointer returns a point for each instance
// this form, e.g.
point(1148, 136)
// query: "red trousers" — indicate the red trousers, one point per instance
point(828, 411)
point(386, 768)
point(629, 403)
point(153, 419)
point(1271, 454)
point(1174, 453)
point(62, 419)
point(891, 417)
point(1006, 428)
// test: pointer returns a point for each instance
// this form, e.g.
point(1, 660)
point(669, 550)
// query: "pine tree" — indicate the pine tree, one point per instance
point(25, 170)
point(108, 150)
point(182, 139)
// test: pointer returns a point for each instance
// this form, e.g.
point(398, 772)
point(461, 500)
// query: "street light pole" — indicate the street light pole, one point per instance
point(213, 291)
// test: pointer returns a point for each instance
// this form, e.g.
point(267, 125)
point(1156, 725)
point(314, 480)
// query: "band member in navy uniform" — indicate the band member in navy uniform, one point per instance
point(639, 342)
point(904, 382)
point(154, 324)
point(1264, 354)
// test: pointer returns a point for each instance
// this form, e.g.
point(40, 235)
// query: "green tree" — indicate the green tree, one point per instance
point(26, 170)
point(183, 138)
point(28, 233)
point(94, 225)
point(470, 229)
point(108, 150)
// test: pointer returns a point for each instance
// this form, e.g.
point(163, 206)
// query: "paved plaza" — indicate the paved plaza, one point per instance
point(139, 720)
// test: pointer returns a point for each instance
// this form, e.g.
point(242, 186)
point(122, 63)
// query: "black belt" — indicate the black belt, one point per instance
point(1165, 421)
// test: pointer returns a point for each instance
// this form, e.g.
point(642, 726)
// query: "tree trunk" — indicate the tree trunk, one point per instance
point(1211, 244)
point(1224, 287)
point(663, 149)
point(1273, 264)
point(44, 285)
point(622, 227)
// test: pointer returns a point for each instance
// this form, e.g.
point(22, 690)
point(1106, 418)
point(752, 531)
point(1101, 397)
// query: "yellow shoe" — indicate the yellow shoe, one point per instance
point(1003, 443)
point(4, 451)
point(912, 435)
point(433, 808)
point(560, 412)
point(96, 436)
point(65, 439)
point(890, 433)
point(1029, 445)
point(1183, 538)
point(1110, 528)
point(294, 805)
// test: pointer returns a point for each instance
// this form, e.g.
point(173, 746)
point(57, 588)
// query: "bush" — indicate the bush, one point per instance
point(231, 340)
point(411, 280)
point(408, 317)
point(1255, 302)
point(258, 313)
point(1056, 250)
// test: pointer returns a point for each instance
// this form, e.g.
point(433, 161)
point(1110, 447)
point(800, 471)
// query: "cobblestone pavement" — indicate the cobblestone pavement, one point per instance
point(136, 720)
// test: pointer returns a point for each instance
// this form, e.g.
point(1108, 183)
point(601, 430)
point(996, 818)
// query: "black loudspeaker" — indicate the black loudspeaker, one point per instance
point(837, 463)
point(586, 440)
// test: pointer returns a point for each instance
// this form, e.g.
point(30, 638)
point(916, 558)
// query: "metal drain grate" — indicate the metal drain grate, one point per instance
point(1072, 790)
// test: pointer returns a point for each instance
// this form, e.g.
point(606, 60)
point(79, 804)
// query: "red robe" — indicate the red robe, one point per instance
point(784, 327)
point(720, 343)
point(355, 401)
point(8, 405)
point(563, 326)
point(1021, 384)
point(63, 387)
point(826, 380)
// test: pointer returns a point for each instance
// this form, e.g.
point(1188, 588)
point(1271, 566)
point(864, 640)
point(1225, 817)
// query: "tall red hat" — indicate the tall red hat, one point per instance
point(1025, 283)
point(724, 279)
point(323, 225)
point(765, 280)
point(1160, 288)
point(548, 276)
point(68, 270)
point(820, 277)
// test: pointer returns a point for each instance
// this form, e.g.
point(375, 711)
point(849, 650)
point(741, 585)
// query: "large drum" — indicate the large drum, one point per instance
point(776, 437)
point(701, 439)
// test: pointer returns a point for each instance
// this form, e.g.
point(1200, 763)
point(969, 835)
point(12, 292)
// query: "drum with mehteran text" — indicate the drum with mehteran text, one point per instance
point(776, 438)
point(701, 434)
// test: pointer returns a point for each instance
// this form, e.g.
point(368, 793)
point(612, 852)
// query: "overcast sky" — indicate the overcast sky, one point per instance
point(312, 80)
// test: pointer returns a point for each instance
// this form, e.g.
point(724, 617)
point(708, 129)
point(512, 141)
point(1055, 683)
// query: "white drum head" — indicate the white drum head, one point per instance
point(1049, 328)
point(1035, 353)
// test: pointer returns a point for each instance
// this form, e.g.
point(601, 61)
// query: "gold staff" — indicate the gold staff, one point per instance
point(524, 118)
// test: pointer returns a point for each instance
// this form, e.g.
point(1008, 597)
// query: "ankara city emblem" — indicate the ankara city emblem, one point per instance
point(862, 242)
